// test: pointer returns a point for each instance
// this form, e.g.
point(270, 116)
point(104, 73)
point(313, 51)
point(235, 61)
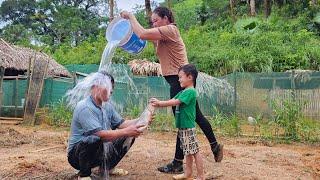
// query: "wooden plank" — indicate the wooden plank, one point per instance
point(19, 107)
point(10, 122)
point(81, 74)
point(14, 77)
point(11, 118)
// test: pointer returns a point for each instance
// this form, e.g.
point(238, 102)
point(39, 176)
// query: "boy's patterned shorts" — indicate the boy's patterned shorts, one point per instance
point(189, 143)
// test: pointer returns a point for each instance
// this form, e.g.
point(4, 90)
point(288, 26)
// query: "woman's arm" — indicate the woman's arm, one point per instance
point(142, 33)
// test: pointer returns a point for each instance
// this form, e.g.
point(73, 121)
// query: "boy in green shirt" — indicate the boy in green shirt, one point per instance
point(185, 115)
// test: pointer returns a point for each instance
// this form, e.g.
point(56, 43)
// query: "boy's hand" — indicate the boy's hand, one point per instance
point(154, 102)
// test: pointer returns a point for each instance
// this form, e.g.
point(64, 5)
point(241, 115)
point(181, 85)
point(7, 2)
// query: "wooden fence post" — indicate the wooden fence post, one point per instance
point(1, 81)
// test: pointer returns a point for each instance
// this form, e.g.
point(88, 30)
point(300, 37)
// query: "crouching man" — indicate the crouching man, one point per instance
point(93, 124)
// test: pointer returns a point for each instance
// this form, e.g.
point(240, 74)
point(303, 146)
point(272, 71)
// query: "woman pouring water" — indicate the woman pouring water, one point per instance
point(172, 54)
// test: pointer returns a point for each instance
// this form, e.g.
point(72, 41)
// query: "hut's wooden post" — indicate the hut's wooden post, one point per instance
point(1, 80)
point(28, 83)
point(41, 88)
point(36, 82)
point(16, 95)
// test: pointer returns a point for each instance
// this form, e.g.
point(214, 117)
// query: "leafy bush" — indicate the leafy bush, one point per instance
point(269, 48)
point(287, 113)
point(60, 115)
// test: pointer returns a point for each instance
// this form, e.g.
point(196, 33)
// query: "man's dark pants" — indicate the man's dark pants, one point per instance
point(88, 154)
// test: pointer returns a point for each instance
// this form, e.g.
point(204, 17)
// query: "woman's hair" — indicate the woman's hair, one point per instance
point(190, 69)
point(164, 11)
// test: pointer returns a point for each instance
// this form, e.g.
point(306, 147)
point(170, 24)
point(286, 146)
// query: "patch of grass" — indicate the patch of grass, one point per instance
point(226, 124)
point(309, 130)
point(163, 122)
point(133, 111)
point(286, 115)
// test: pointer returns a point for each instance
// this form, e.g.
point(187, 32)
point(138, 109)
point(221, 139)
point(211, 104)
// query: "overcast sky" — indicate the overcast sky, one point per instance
point(126, 4)
point(121, 4)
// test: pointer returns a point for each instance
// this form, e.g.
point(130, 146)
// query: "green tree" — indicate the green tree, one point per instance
point(54, 21)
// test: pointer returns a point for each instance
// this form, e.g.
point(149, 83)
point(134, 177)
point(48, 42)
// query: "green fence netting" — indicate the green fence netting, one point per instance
point(13, 97)
point(253, 93)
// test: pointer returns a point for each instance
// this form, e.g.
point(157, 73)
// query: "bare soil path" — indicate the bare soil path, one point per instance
point(40, 153)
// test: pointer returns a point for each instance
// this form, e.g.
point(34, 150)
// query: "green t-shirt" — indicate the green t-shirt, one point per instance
point(186, 111)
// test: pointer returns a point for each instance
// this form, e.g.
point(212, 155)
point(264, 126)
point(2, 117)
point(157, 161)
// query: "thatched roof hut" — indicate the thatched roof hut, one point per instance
point(145, 68)
point(15, 60)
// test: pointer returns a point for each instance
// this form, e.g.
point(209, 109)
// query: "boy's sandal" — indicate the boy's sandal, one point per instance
point(181, 176)
point(118, 172)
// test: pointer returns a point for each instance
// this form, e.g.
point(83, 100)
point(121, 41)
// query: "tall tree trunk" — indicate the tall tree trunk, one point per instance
point(267, 8)
point(252, 8)
point(111, 7)
point(169, 4)
point(148, 12)
point(232, 4)
point(231, 7)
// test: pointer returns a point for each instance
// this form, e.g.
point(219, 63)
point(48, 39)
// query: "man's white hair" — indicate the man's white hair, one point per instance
point(83, 87)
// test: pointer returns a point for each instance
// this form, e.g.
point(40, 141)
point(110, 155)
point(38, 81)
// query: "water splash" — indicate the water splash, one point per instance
point(121, 73)
point(83, 88)
point(105, 163)
point(107, 55)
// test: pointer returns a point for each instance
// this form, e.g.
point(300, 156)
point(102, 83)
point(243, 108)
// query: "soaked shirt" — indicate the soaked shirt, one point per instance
point(88, 118)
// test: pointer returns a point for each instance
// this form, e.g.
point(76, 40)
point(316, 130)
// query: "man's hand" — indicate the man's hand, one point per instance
point(153, 116)
point(126, 15)
point(133, 130)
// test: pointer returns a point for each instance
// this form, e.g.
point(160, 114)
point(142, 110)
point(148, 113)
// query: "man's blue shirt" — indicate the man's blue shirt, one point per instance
point(88, 118)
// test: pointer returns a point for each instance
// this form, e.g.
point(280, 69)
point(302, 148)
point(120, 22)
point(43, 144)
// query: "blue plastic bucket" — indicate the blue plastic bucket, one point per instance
point(120, 29)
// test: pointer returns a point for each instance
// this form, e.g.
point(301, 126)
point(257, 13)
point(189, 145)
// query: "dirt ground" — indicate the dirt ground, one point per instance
point(40, 153)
